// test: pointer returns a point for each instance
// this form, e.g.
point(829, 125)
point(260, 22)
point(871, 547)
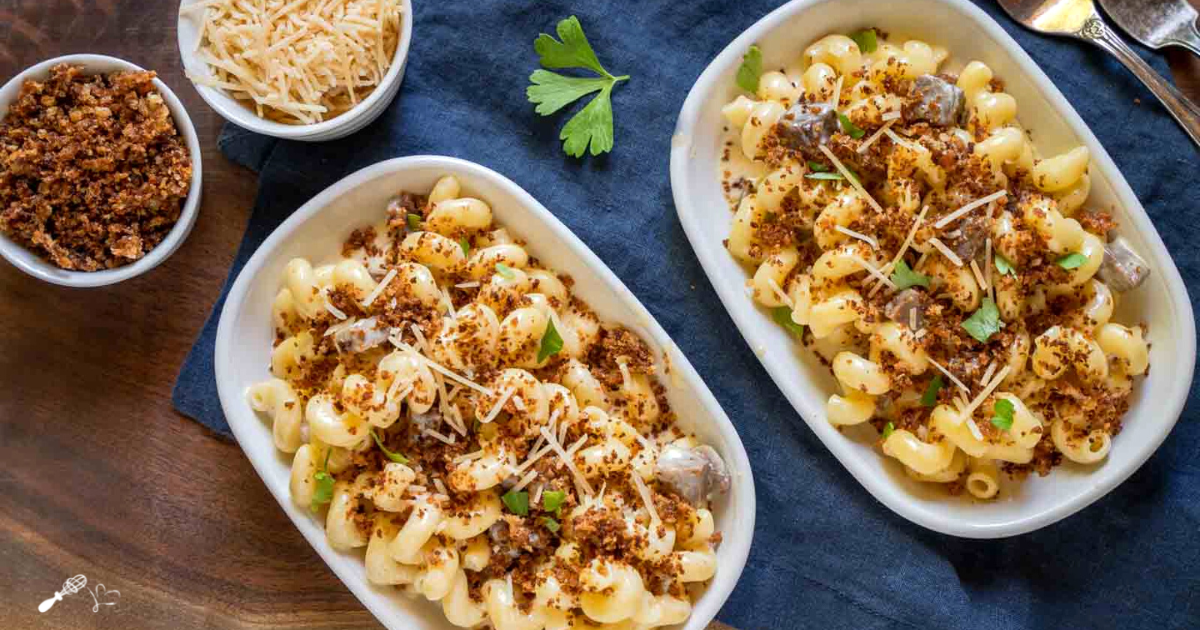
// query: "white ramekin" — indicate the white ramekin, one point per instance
point(239, 114)
point(38, 267)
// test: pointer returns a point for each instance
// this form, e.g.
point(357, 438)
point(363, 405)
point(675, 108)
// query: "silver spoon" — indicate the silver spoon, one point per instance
point(1156, 23)
point(1078, 19)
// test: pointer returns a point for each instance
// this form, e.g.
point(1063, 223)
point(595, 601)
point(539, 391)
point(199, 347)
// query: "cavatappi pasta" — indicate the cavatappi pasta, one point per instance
point(454, 411)
point(955, 280)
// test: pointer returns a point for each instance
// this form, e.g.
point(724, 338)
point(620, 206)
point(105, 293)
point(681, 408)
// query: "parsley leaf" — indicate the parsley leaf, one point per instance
point(516, 502)
point(817, 167)
point(888, 429)
point(552, 342)
point(552, 501)
point(465, 245)
point(551, 91)
point(505, 271)
point(783, 316)
point(396, 457)
point(905, 277)
point(323, 488)
point(413, 221)
point(1072, 261)
point(1003, 419)
point(850, 128)
point(929, 398)
point(984, 322)
point(866, 40)
point(750, 70)
point(1005, 266)
point(824, 175)
point(551, 524)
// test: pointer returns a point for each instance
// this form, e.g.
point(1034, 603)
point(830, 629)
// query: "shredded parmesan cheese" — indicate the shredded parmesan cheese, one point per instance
point(835, 99)
point(337, 312)
point(467, 457)
point(525, 481)
point(987, 391)
point(566, 459)
point(467, 285)
point(987, 374)
point(950, 376)
point(783, 297)
point(983, 283)
point(890, 116)
point(862, 148)
point(874, 272)
point(902, 142)
point(504, 396)
point(296, 62)
point(379, 287)
point(438, 436)
point(858, 235)
point(974, 429)
point(851, 178)
point(946, 251)
point(647, 498)
point(982, 201)
point(912, 233)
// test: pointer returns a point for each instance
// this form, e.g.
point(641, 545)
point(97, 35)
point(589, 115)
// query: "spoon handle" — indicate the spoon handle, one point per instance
point(1185, 112)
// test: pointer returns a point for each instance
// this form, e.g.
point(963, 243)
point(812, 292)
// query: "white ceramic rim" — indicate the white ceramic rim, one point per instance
point(350, 121)
point(34, 265)
point(887, 493)
point(234, 405)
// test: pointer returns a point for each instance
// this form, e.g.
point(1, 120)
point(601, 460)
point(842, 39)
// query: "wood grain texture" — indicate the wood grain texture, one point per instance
point(100, 476)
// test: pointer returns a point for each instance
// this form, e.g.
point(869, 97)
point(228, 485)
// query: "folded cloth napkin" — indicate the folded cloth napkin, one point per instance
point(826, 554)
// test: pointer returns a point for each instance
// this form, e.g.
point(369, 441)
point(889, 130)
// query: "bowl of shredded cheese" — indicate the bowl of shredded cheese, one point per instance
point(309, 70)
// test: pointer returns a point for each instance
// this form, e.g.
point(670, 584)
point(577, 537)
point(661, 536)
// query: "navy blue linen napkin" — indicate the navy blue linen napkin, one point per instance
point(826, 554)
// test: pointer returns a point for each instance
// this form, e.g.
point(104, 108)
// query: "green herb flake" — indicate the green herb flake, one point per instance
point(413, 221)
point(817, 167)
point(1074, 260)
point(823, 175)
point(551, 524)
point(1005, 266)
point(396, 457)
point(888, 429)
point(866, 40)
point(516, 502)
point(750, 70)
point(551, 91)
point(552, 342)
point(323, 488)
point(465, 245)
point(1003, 419)
point(984, 322)
point(850, 128)
point(505, 271)
point(904, 277)
point(783, 316)
point(552, 501)
point(929, 398)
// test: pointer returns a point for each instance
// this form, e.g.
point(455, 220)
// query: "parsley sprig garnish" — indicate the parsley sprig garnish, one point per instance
point(323, 486)
point(866, 40)
point(552, 342)
point(904, 277)
point(783, 316)
point(1074, 260)
point(1005, 266)
point(984, 322)
point(750, 70)
point(593, 125)
point(929, 398)
point(516, 502)
point(394, 456)
point(1003, 409)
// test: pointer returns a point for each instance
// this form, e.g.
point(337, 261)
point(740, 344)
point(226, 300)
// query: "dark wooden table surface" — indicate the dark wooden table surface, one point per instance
point(98, 474)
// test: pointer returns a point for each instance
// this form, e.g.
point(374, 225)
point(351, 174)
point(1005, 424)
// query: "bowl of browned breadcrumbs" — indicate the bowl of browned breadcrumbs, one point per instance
point(99, 171)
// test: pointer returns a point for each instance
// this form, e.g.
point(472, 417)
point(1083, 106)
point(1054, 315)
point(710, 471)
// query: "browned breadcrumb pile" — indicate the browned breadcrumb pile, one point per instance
point(93, 173)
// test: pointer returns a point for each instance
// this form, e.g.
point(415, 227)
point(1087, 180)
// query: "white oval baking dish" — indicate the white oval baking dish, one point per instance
point(1162, 302)
point(317, 230)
